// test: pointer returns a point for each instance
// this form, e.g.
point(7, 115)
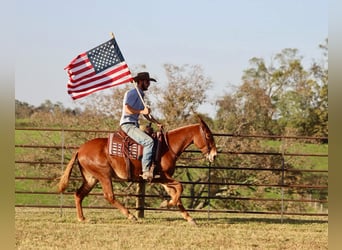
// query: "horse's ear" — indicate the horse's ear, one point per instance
point(199, 118)
point(202, 122)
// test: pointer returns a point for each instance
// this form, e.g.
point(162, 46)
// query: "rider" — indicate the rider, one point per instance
point(133, 106)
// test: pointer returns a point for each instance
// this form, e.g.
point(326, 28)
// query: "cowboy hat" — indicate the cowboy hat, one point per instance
point(143, 76)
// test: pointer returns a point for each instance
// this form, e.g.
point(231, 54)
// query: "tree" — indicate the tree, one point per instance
point(184, 93)
point(104, 109)
point(228, 115)
point(279, 96)
point(319, 72)
point(23, 110)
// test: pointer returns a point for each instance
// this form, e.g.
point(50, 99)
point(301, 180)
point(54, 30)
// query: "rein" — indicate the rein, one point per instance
point(168, 145)
point(177, 155)
point(166, 138)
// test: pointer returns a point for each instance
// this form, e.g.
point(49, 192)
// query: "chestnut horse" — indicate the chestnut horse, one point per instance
point(96, 165)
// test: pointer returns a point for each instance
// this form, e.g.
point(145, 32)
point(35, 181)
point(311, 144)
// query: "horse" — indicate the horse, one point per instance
point(96, 165)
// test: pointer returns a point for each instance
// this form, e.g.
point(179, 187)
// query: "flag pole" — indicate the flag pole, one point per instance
point(141, 98)
point(134, 83)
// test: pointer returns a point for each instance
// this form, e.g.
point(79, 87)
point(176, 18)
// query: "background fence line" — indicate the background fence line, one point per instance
point(63, 147)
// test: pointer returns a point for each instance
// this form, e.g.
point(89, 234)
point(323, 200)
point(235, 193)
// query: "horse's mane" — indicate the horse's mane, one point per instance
point(181, 128)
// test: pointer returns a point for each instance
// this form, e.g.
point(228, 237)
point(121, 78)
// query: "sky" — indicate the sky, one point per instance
point(219, 35)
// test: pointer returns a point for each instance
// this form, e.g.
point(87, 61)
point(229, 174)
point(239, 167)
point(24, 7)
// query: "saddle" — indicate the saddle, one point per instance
point(121, 145)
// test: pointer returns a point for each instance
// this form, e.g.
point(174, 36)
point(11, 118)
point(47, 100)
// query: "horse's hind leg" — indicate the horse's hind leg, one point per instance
point(107, 188)
point(88, 183)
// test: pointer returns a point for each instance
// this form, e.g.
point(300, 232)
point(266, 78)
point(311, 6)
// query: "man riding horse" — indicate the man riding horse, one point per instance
point(133, 106)
point(96, 164)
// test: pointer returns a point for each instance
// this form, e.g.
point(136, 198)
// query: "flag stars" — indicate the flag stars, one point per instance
point(105, 56)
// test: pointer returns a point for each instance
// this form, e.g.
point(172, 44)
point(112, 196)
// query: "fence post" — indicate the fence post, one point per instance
point(209, 180)
point(140, 200)
point(62, 163)
point(282, 186)
point(282, 176)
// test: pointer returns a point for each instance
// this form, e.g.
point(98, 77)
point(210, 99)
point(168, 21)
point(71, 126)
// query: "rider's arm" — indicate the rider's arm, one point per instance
point(130, 110)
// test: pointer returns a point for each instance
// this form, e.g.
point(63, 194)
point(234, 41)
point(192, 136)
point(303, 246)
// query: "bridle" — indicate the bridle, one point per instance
point(205, 140)
point(207, 143)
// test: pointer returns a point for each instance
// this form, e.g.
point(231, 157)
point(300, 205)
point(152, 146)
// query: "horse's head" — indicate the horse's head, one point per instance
point(205, 141)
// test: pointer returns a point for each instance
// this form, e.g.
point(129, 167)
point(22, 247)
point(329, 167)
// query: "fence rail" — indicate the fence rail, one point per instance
point(287, 193)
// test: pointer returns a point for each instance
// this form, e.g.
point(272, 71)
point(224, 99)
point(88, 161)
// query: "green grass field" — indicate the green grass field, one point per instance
point(108, 229)
point(301, 162)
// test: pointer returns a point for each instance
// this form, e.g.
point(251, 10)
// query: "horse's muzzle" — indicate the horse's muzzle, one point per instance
point(211, 155)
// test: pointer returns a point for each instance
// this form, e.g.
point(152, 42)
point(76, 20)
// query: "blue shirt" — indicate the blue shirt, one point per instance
point(132, 99)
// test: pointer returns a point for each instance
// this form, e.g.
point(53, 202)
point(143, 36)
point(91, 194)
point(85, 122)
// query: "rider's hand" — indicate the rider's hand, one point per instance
point(160, 126)
point(145, 111)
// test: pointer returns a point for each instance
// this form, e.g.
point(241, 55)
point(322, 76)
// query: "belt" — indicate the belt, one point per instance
point(132, 123)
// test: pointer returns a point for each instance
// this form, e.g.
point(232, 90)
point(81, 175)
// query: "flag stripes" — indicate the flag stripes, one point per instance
point(104, 70)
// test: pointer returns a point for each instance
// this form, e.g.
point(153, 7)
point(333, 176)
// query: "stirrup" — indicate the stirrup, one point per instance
point(155, 176)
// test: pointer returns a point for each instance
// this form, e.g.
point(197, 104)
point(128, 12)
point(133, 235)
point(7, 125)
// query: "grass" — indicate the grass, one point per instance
point(108, 229)
point(297, 147)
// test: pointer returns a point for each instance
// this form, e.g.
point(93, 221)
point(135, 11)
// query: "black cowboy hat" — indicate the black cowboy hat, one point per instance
point(143, 76)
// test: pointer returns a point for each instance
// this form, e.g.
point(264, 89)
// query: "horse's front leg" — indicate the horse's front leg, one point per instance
point(175, 189)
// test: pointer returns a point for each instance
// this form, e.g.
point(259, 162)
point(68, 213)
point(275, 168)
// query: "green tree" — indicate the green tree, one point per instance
point(228, 115)
point(23, 110)
point(278, 96)
point(319, 73)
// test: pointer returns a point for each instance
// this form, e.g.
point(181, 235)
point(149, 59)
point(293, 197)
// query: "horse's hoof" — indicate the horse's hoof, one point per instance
point(164, 204)
point(81, 219)
point(131, 217)
point(192, 222)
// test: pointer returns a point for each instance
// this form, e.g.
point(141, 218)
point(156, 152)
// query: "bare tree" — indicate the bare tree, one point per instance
point(184, 92)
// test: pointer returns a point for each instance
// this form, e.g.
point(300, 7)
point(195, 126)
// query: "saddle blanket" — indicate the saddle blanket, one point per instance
point(121, 145)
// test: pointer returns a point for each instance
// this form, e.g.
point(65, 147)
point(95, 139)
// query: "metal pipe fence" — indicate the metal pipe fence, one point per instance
point(281, 189)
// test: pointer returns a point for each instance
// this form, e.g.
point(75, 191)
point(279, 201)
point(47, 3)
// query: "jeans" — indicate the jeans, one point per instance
point(145, 140)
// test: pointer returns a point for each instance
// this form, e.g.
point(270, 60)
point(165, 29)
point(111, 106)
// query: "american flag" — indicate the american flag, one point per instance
point(97, 69)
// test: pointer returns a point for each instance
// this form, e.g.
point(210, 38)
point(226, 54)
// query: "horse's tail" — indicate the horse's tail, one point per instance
point(63, 183)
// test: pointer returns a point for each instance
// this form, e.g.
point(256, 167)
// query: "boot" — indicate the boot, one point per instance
point(152, 170)
point(148, 176)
